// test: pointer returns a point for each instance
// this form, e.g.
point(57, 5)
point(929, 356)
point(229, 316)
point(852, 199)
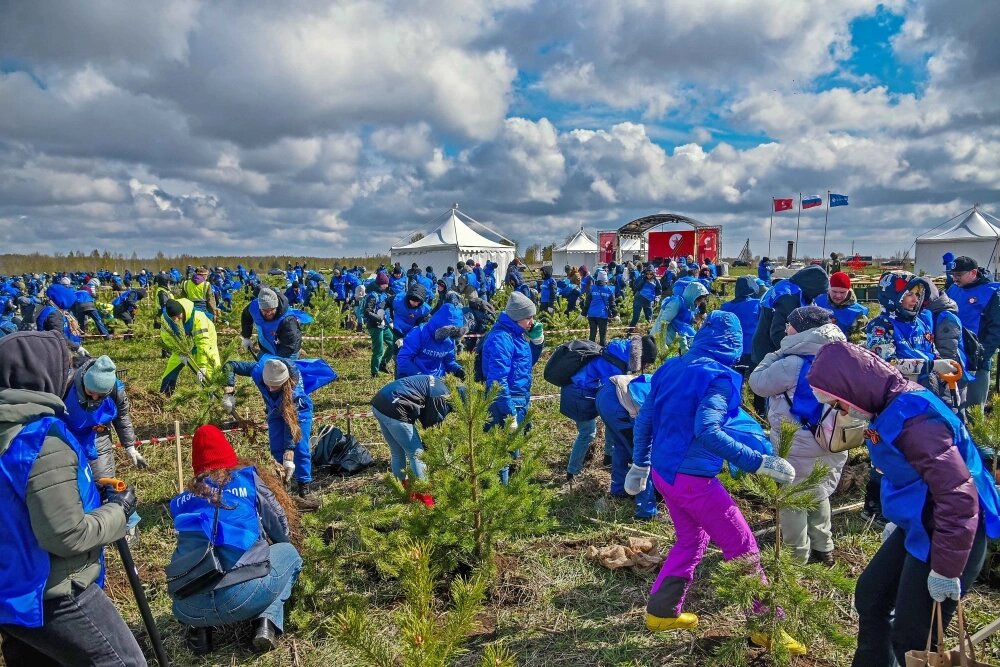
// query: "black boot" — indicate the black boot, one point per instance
point(304, 489)
point(198, 640)
point(265, 636)
point(824, 558)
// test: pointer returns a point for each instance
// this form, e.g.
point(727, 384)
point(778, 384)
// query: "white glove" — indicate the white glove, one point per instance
point(887, 531)
point(380, 313)
point(399, 343)
point(82, 351)
point(777, 468)
point(289, 464)
point(136, 457)
point(201, 375)
point(635, 480)
point(512, 426)
point(942, 588)
point(184, 360)
point(229, 403)
point(246, 343)
point(947, 367)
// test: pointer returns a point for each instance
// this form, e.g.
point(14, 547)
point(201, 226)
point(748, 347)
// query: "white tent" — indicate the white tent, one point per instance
point(976, 236)
point(580, 249)
point(456, 237)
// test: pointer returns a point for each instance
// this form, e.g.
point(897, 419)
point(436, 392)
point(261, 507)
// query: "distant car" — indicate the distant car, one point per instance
point(275, 272)
point(740, 262)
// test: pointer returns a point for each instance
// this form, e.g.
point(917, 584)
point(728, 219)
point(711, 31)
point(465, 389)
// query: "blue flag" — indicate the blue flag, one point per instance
point(837, 200)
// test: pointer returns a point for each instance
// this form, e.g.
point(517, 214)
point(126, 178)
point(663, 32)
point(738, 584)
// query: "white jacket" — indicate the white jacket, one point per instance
point(778, 375)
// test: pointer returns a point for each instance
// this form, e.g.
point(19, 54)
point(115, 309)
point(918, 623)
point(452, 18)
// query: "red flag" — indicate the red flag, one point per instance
point(783, 205)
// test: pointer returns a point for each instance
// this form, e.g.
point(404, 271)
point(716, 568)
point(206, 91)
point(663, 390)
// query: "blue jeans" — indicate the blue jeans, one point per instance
point(404, 446)
point(618, 434)
point(98, 321)
point(586, 430)
point(263, 597)
point(303, 452)
point(640, 305)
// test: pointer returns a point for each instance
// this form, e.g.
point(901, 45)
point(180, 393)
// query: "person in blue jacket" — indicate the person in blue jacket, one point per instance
point(683, 433)
point(746, 307)
point(510, 351)
point(577, 400)
point(58, 315)
point(429, 348)
point(621, 281)
point(285, 386)
point(409, 310)
point(54, 525)
point(765, 270)
point(247, 516)
point(679, 315)
point(646, 289)
point(277, 325)
point(489, 287)
point(126, 303)
point(86, 307)
point(940, 500)
point(978, 299)
point(397, 282)
point(618, 403)
point(547, 291)
point(599, 306)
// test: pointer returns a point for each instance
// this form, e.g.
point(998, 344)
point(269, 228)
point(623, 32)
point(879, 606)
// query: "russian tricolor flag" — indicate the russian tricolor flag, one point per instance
point(812, 201)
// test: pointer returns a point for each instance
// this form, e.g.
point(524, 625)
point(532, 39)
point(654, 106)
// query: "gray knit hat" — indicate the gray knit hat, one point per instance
point(519, 307)
point(809, 317)
point(267, 299)
point(275, 373)
point(100, 378)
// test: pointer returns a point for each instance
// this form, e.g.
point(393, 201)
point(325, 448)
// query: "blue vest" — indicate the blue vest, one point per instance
point(600, 301)
point(397, 285)
point(26, 568)
point(904, 492)
point(747, 311)
point(648, 290)
point(67, 331)
point(845, 316)
point(972, 302)
point(405, 318)
point(680, 284)
point(548, 290)
point(267, 330)
point(804, 405)
point(780, 289)
point(912, 339)
point(239, 521)
point(83, 424)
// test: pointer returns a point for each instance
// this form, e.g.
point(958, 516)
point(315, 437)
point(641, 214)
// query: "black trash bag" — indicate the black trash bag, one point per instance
point(340, 453)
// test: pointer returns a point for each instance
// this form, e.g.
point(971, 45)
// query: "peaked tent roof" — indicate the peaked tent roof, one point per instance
point(581, 242)
point(457, 230)
point(976, 225)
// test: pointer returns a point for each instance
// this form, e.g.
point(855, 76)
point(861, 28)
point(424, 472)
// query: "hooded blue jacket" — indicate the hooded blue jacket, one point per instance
point(692, 397)
point(507, 361)
point(423, 354)
point(746, 307)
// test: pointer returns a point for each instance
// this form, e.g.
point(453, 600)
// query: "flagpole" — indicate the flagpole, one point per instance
point(795, 255)
point(825, 221)
point(770, 229)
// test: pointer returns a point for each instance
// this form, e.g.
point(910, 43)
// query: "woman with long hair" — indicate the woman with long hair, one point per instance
point(243, 516)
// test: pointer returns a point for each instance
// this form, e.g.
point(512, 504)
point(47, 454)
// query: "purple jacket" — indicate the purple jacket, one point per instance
point(859, 377)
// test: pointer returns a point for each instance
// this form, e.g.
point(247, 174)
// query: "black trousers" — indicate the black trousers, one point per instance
point(82, 629)
point(598, 325)
point(894, 607)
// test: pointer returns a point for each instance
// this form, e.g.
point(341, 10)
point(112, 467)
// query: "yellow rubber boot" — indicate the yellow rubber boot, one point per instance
point(685, 621)
point(792, 645)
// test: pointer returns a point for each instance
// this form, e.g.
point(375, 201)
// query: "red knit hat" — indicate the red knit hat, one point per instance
point(841, 280)
point(211, 450)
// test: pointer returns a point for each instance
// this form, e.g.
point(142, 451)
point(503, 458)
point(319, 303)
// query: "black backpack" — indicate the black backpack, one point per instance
point(341, 453)
point(569, 358)
point(974, 353)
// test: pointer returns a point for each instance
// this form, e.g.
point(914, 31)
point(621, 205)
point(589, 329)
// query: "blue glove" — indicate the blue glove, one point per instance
point(942, 588)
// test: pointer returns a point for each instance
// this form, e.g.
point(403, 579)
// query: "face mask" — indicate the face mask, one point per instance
point(823, 397)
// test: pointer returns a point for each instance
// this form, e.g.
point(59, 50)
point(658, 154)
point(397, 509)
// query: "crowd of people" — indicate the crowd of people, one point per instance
point(808, 350)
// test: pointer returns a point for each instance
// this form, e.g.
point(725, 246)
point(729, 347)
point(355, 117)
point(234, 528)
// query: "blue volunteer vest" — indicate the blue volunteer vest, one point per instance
point(239, 522)
point(648, 290)
point(780, 289)
point(804, 405)
point(600, 301)
point(844, 316)
point(26, 564)
point(972, 302)
point(548, 290)
point(680, 284)
point(747, 312)
point(267, 330)
point(904, 492)
point(913, 340)
point(67, 331)
point(84, 424)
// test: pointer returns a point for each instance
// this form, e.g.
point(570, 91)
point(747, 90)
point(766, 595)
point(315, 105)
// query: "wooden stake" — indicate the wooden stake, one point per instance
point(322, 346)
point(180, 468)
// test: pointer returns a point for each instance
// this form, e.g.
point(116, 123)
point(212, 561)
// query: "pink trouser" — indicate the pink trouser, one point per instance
point(701, 510)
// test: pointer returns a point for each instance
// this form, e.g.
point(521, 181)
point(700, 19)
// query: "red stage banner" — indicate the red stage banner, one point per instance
point(606, 242)
point(708, 244)
point(669, 245)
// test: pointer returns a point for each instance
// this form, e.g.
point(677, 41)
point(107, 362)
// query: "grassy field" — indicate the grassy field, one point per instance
point(549, 604)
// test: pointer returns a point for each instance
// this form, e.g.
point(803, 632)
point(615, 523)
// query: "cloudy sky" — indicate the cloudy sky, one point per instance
point(338, 127)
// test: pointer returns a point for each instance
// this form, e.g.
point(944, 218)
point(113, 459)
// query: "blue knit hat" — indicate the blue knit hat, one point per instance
point(100, 378)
